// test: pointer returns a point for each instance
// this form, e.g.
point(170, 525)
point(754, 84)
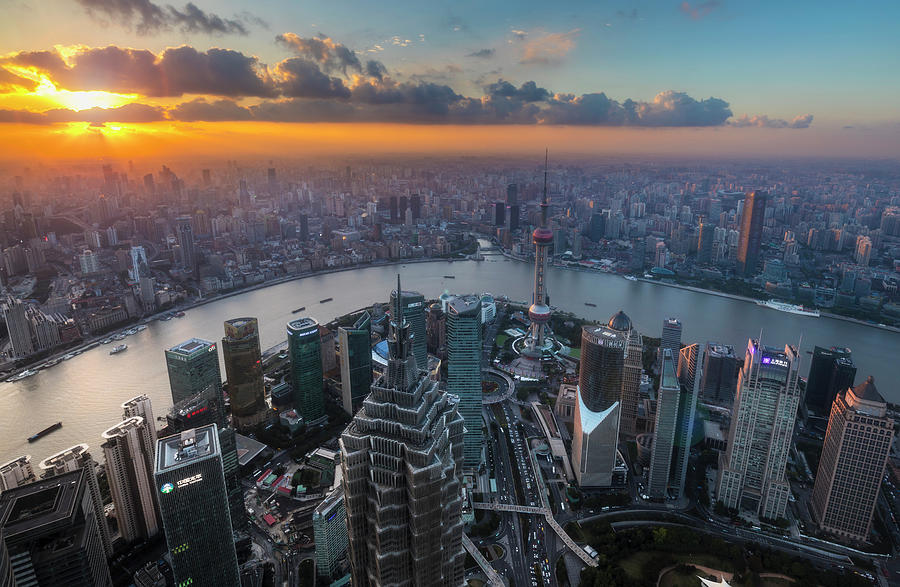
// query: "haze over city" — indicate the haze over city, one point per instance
point(513, 294)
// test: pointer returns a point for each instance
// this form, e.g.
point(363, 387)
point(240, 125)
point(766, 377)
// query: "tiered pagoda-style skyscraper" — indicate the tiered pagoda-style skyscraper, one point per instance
point(401, 460)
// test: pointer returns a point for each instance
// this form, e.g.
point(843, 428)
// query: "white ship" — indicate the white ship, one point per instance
point(789, 308)
point(630, 277)
point(118, 349)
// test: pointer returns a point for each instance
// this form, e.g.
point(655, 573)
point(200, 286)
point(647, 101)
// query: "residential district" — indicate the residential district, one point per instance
point(468, 439)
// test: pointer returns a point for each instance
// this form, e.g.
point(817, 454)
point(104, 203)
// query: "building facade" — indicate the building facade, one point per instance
point(631, 384)
point(750, 239)
point(598, 405)
point(244, 372)
point(667, 399)
point(400, 459)
point(719, 374)
point(193, 502)
point(129, 472)
point(356, 362)
point(305, 352)
point(854, 458)
point(752, 470)
point(330, 533)
point(464, 370)
point(831, 371)
point(73, 459)
point(51, 532)
point(16, 472)
point(193, 367)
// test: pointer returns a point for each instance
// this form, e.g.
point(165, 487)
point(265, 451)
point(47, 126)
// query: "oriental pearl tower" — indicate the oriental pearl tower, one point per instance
point(539, 311)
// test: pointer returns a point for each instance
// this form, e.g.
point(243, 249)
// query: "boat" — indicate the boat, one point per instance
point(630, 277)
point(325, 300)
point(166, 318)
point(67, 357)
point(179, 314)
point(23, 375)
point(106, 341)
point(141, 328)
point(118, 349)
point(120, 336)
point(300, 309)
point(449, 277)
point(789, 308)
point(45, 432)
point(131, 331)
point(590, 304)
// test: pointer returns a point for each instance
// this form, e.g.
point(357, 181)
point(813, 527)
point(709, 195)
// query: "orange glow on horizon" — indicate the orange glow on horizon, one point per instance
point(47, 94)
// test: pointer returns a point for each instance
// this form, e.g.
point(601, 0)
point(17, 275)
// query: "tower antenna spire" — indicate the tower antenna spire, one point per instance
point(546, 165)
point(397, 304)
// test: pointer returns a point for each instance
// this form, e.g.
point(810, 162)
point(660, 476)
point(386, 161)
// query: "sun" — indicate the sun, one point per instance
point(81, 100)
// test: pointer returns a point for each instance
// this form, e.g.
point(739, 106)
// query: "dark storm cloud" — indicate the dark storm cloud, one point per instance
point(304, 79)
point(527, 92)
point(482, 53)
point(147, 18)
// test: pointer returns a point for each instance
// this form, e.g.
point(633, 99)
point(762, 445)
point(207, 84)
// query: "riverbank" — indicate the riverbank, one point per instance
point(195, 303)
point(707, 292)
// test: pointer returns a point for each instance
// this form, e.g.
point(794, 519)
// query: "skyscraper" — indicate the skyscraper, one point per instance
point(512, 194)
point(464, 370)
point(305, 351)
point(401, 476)
point(719, 373)
point(73, 459)
point(243, 369)
point(631, 384)
point(752, 470)
point(16, 473)
point(194, 505)
point(330, 533)
point(598, 404)
point(140, 406)
point(356, 362)
point(705, 241)
point(539, 311)
point(689, 377)
point(193, 367)
point(854, 457)
point(666, 417)
point(6, 571)
point(752, 220)
point(671, 337)
point(185, 235)
point(830, 371)
point(499, 214)
point(17, 324)
point(51, 531)
point(412, 304)
point(129, 471)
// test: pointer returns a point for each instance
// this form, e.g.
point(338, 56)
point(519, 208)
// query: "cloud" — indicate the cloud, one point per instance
point(331, 55)
point(548, 48)
point(10, 82)
point(133, 113)
point(527, 92)
point(518, 34)
point(148, 18)
point(763, 121)
point(700, 10)
point(217, 111)
point(482, 53)
point(174, 72)
point(304, 79)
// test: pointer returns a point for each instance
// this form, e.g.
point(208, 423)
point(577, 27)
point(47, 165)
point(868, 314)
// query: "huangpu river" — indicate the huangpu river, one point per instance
point(85, 393)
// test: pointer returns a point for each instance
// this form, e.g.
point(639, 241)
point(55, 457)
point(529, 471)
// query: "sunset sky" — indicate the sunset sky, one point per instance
point(126, 78)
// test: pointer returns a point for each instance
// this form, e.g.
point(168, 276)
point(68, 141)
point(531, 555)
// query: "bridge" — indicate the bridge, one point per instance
point(548, 516)
point(493, 578)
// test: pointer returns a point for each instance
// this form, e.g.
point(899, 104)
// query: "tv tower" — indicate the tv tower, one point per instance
point(539, 312)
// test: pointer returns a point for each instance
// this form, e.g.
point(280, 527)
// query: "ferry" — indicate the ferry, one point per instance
point(23, 375)
point(106, 341)
point(67, 357)
point(120, 336)
point(325, 300)
point(789, 308)
point(45, 432)
point(118, 349)
point(449, 277)
point(141, 328)
point(179, 314)
point(630, 277)
point(131, 331)
point(591, 304)
point(300, 309)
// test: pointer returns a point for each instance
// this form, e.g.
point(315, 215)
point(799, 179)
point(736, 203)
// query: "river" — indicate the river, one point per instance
point(86, 392)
